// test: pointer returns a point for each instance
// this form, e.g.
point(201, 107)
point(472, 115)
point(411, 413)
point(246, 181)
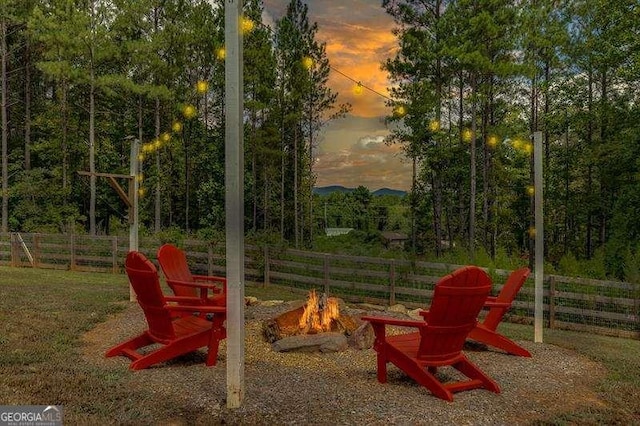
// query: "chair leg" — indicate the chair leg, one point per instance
point(214, 344)
point(174, 349)
point(382, 367)
point(425, 378)
point(492, 338)
point(470, 370)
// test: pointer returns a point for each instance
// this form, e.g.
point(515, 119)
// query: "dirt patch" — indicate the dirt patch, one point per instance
point(341, 388)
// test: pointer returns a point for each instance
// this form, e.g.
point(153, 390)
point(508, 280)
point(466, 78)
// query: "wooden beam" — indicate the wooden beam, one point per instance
point(111, 177)
point(123, 195)
point(234, 203)
point(539, 237)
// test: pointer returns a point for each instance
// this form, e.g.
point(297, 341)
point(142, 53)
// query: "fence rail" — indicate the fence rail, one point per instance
point(603, 307)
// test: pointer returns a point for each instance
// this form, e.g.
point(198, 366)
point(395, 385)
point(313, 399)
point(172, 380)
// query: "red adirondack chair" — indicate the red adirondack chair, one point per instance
point(175, 268)
point(176, 335)
point(485, 332)
point(457, 300)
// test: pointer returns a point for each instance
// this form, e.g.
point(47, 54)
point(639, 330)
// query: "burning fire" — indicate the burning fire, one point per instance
point(318, 313)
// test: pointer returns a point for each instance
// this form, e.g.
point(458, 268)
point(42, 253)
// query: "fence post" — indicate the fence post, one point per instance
point(72, 253)
point(265, 280)
point(13, 251)
point(210, 259)
point(114, 254)
point(552, 302)
point(325, 272)
point(36, 250)
point(392, 283)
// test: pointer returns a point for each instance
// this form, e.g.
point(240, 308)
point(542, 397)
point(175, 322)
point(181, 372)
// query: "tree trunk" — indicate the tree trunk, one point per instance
point(254, 166)
point(65, 137)
point(282, 176)
point(311, 180)
point(5, 130)
point(27, 106)
point(157, 221)
point(461, 219)
point(295, 187)
point(589, 189)
point(472, 190)
point(92, 155)
point(186, 176)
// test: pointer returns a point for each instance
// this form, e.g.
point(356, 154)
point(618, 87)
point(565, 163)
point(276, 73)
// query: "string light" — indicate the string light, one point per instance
point(176, 127)
point(359, 83)
point(221, 53)
point(492, 141)
point(247, 25)
point(399, 111)
point(531, 191)
point(467, 135)
point(202, 87)
point(517, 144)
point(434, 125)
point(528, 148)
point(189, 111)
point(307, 62)
point(357, 89)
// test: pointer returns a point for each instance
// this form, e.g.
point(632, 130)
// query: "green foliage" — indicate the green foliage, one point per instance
point(101, 76)
point(632, 268)
point(38, 210)
point(173, 235)
point(569, 266)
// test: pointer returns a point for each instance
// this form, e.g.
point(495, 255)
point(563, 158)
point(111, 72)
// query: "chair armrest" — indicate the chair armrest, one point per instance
point(209, 278)
point(202, 286)
point(199, 308)
point(394, 321)
point(492, 304)
point(212, 278)
point(379, 326)
point(193, 284)
point(185, 300)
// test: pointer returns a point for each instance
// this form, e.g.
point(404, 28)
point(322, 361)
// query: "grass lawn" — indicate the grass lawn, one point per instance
point(44, 314)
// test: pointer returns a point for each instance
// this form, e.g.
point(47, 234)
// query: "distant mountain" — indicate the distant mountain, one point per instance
point(389, 191)
point(326, 190)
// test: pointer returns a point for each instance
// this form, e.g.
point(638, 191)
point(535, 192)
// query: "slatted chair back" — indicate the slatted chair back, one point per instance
point(457, 301)
point(507, 295)
point(143, 277)
point(175, 267)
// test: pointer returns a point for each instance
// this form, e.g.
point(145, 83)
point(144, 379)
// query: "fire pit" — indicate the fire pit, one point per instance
point(318, 325)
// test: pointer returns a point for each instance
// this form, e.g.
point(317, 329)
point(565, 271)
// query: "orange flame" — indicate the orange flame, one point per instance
point(319, 313)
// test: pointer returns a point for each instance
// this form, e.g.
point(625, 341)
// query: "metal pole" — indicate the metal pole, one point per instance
point(234, 202)
point(133, 221)
point(539, 237)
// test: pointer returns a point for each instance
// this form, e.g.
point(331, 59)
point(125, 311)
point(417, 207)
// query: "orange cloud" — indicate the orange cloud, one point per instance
point(369, 162)
point(358, 39)
point(359, 52)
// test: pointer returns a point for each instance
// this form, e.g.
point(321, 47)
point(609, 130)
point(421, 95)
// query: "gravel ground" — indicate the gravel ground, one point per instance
point(342, 389)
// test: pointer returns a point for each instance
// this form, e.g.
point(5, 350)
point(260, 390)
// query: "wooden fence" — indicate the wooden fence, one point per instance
point(603, 307)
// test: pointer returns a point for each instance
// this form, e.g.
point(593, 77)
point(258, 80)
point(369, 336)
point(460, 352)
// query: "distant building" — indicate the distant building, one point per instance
point(394, 239)
point(332, 232)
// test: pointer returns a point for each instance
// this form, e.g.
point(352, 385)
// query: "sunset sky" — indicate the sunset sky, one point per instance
point(351, 151)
